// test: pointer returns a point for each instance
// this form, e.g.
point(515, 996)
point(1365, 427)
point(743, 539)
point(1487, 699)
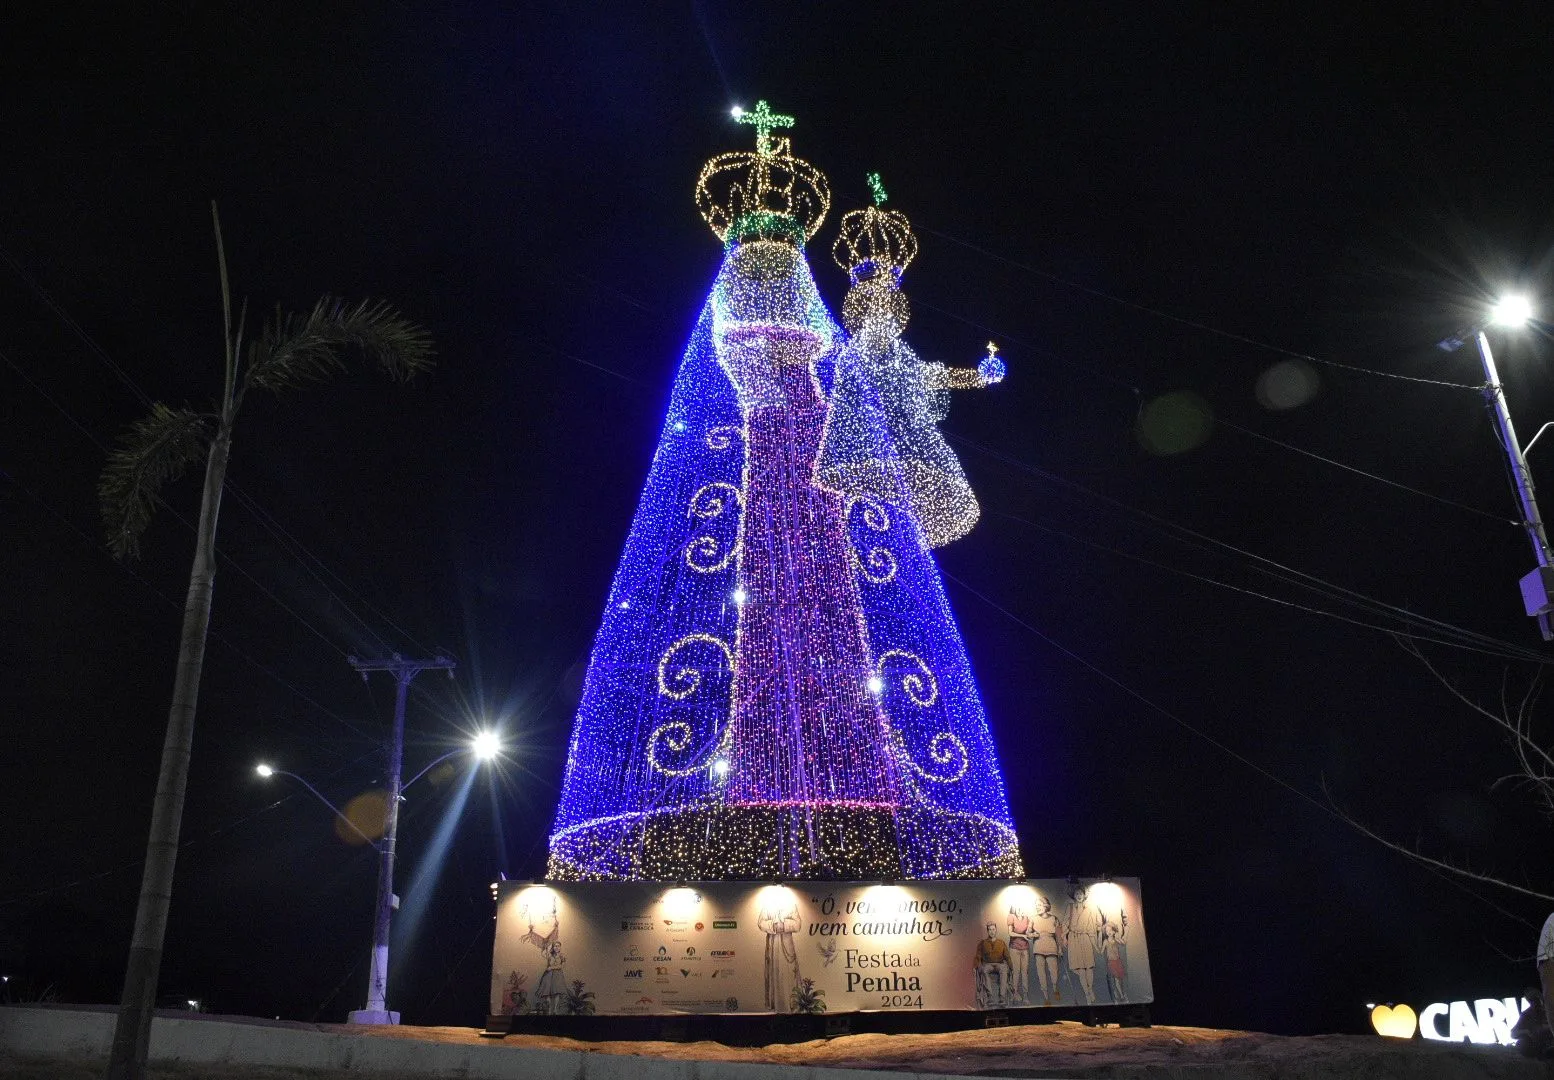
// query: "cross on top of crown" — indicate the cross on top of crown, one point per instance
point(764, 120)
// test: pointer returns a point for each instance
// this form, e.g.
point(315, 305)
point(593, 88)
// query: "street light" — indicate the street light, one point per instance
point(485, 745)
point(1511, 311)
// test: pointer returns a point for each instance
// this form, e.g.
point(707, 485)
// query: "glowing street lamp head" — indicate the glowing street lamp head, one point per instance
point(720, 768)
point(876, 684)
point(737, 111)
point(1512, 310)
point(487, 745)
point(264, 770)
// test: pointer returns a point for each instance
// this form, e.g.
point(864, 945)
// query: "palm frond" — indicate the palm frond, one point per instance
point(156, 450)
point(298, 349)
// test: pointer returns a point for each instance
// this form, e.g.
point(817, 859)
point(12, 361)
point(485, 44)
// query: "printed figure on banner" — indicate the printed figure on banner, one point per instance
point(1114, 935)
point(1045, 934)
point(993, 969)
point(779, 921)
point(550, 992)
point(1082, 938)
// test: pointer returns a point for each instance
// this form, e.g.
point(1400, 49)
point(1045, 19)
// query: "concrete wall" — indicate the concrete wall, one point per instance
point(56, 1032)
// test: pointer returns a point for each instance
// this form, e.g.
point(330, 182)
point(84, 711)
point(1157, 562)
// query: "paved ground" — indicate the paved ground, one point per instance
point(1048, 1050)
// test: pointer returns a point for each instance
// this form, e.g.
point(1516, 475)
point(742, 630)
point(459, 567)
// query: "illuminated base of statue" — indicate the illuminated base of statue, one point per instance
point(797, 841)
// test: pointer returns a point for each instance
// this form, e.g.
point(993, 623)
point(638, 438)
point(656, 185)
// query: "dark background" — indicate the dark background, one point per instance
point(1132, 205)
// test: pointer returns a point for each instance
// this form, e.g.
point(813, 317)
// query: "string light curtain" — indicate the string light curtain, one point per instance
point(777, 689)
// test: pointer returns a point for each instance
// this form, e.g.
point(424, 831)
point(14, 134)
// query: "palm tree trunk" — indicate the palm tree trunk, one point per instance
point(132, 1032)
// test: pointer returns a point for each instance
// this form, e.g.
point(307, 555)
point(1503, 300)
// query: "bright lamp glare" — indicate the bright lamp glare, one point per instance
point(1511, 311)
point(487, 745)
point(737, 111)
point(264, 771)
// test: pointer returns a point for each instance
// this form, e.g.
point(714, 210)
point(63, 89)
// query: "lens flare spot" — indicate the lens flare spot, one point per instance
point(1289, 384)
point(1174, 423)
point(368, 812)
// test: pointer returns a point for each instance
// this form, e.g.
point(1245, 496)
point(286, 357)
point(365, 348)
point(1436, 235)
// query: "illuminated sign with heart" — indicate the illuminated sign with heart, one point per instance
point(1394, 1022)
point(1487, 1021)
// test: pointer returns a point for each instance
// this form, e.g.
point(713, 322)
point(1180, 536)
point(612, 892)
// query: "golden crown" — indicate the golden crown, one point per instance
point(873, 239)
point(770, 194)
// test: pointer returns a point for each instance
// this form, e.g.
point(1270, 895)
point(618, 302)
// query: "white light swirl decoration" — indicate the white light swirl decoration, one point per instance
point(713, 505)
point(920, 686)
point(701, 554)
point(878, 565)
point(874, 515)
point(722, 437)
point(676, 736)
point(945, 749)
point(684, 680)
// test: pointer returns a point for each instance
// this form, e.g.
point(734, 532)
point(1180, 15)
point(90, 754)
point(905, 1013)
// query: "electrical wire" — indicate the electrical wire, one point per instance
point(1263, 564)
point(1501, 518)
point(183, 844)
point(1192, 729)
point(1194, 323)
point(1391, 631)
point(177, 605)
point(266, 520)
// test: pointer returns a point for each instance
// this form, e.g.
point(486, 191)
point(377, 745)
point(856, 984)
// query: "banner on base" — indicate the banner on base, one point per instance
point(636, 948)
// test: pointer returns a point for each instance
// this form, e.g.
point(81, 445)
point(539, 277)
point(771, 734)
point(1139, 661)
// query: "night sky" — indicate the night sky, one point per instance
point(1131, 206)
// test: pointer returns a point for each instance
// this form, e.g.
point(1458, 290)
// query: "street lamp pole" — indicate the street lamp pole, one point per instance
point(1537, 588)
point(376, 1010)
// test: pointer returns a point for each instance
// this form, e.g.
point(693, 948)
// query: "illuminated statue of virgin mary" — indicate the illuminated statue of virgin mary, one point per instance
point(777, 689)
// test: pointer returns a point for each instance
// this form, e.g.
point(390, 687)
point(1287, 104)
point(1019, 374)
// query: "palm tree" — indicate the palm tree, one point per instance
point(290, 351)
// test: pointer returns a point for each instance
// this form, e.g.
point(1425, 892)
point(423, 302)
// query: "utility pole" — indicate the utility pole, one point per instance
point(376, 1010)
point(1538, 586)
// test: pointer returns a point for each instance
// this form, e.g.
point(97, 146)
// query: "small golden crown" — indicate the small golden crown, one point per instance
point(767, 195)
point(874, 239)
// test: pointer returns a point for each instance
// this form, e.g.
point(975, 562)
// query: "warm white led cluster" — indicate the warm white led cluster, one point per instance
point(769, 194)
point(883, 438)
point(708, 554)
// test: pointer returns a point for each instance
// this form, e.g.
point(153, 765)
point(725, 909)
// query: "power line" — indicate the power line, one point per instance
point(1262, 563)
point(1194, 323)
point(177, 605)
point(1500, 518)
point(265, 520)
point(1282, 602)
point(1201, 734)
point(192, 841)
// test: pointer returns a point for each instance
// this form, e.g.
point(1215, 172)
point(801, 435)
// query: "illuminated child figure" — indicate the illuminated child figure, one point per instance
point(882, 437)
point(1114, 934)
